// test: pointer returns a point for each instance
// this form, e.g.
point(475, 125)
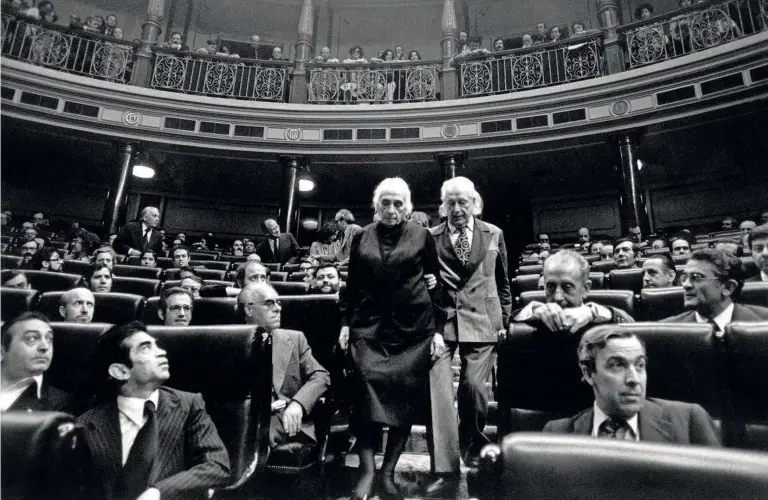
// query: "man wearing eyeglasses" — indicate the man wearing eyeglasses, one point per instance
point(712, 281)
point(176, 305)
point(298, 380)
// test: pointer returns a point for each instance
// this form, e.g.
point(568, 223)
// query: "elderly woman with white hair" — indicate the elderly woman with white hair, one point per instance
point(391, 328)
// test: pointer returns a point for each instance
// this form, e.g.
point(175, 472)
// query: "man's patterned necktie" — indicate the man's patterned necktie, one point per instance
point(462, 246)
point(614, 428)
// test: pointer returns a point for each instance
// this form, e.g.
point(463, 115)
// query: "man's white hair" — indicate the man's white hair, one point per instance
point(565, 257)
point(396, 186)
point(460, 185)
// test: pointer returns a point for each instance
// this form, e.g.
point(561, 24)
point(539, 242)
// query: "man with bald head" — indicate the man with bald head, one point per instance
point(136, 237)
point(249, 272)
point(325, 57)
point(278, 247)
point(76, 305)
point(298, 380)
point(566, 288)
point(584, 238)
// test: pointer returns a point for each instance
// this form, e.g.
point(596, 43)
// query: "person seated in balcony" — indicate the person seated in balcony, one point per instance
point(399, 53)
point(498, 45)
point(680, 30)
point(463, 41)
point(555, 34)
point(644, 11)
point(352, 87)
point(542, 34)
point(527, 40)
point(30, 11)
point(75, 23)
point(117, 33)
point(110, 25)
point(475, 47)
point(325, 57)
point(387, 56)
point(175, 42)
point(277, 54)
point(91, 25)
point(210, 48)
point(100, 24)
point(225, 52)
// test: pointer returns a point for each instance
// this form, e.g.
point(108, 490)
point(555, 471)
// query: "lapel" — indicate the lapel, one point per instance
point(653, 426)
point(107, 443)
point(28, 401)
point(169, 423)
point(742, 313)
point(480, 241)
point(446, 251)
point(282, 348)
point(582, 424)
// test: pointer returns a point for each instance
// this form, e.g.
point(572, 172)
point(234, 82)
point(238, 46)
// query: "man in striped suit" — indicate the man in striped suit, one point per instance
point(475, 294)
point(149, 441)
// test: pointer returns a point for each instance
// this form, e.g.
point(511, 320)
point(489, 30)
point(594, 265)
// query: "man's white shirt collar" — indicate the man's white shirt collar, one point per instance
point(144, 228)
point(11, 394)
point(721, 319)
point(763, 276)
point(600, 417)
point(470, 226)
point(133, 408)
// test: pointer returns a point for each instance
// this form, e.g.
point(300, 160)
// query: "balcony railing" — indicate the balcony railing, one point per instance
point(692, 30)
point(373, 83)
point(220, 76)
point(524, 69)
point(67, 50)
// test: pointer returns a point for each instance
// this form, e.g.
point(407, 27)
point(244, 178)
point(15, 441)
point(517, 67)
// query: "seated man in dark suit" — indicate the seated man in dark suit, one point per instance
point(325, 279)
point(613, 362)
point(138, 236)
point(76, 305)
point(758, 244)
point(279, 247)
point(176, 305)
point(712, 281)
point(625, 253)
point(27, 348)
point(566, 286)
point(659, 271)
point(149, 441)
point(298, 380)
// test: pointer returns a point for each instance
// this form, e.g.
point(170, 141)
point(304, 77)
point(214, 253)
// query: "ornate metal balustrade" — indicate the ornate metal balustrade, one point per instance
point(691, 30)
point(72, 51)
point(524, 69)
point(220, 76)
point(373, 83)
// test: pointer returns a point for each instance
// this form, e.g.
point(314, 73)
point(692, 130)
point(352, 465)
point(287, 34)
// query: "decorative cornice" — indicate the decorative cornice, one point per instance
point(587, 108)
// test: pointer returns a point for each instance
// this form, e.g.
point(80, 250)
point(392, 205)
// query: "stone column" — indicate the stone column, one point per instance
point(631, 203)
point(448, 49)
point(608, 13)
point(291, 167)
point(113, 216)
point(450, 163)
point(150, 31)
point(303, 53)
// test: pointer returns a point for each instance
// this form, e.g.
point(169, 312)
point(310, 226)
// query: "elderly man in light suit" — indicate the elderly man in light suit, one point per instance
point(475, 294)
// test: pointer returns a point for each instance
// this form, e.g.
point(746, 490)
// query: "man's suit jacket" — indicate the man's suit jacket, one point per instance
point(659, 421)
point(287, 251)
point(296, 374)
point(475, 296)
point(191, 457)
point(741, 312)
point(51, 399)
point(132, 236)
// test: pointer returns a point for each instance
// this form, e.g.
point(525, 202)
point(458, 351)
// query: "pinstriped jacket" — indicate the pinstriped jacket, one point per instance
point(191, 456)
point(476, 296)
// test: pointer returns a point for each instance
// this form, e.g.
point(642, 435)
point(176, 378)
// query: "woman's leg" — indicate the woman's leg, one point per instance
point(396, 439)
point(367, 436)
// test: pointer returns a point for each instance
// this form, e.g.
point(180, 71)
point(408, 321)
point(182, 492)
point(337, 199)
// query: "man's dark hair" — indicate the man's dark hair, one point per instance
point(758, 233)
point(92, 269)
point(179, 247)
point(110, 348)
point(188, 270)
point(668, 261)
point(42, 255)
point(682, 236)
point(476, 39)
point(622, 240)
point(596, 339)
point(727, 266)
point(148, 251)
point(317, 269)
point(5, 331)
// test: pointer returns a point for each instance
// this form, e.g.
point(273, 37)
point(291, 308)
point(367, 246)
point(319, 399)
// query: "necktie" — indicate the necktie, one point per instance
point(274, 247)
point(715, 328)
point(462, 246)
point(146, 238)
point(138, 466)
point(614, 428)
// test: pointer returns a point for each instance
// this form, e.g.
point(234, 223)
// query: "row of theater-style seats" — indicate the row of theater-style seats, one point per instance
point(229, 365)
point(539, 378)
